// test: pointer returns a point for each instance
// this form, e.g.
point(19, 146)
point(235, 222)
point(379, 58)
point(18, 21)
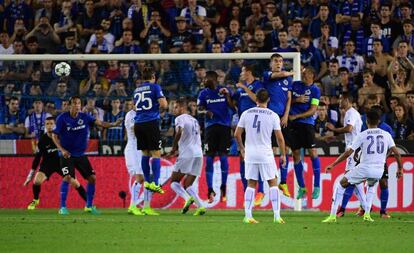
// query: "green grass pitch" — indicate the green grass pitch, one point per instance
point(217, 231)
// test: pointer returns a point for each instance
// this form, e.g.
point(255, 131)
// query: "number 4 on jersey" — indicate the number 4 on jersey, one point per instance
point(256, 123)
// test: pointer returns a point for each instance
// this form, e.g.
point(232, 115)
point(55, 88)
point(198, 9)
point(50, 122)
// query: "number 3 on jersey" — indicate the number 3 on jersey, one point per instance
point(143, 102)
point(256, 123)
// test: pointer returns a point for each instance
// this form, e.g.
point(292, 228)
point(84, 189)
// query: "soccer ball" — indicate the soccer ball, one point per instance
point(62, 69)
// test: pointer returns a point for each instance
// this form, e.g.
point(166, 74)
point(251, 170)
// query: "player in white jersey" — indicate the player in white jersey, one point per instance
point(374, 144)
point(189, 162)
point(259, 123)
point(352, 127)
point(133, 158)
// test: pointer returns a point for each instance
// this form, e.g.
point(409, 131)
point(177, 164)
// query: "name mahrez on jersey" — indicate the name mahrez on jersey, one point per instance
point(218, 100)
point(259, 111)
point(376, 131)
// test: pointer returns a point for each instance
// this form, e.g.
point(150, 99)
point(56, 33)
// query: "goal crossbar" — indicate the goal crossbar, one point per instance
point(171, 57)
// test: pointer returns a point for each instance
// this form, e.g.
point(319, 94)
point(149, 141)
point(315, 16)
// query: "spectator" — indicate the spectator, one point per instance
point(370, 88)
point(100, 45)
point(167, 125)
point(48, 11)
point(6, 47)
point(108, 37)
point(220, 37)
point(371, 63)
point(66, 20)
point(349, 9)
point(173, 13)
point(19, 70)
point(93, 78)
point(376, 36)
point(12, 120)
point(96, 112)
point(322, 118)
point(180, 35)
point(406, 10)
point(32, 45)
point(390, 28)
point(356, 34)
point(403, 127)
point(326, 43)
point(194, 15)
point(212, 14)
point(87, 22)
point(155, 31)
point(331, 83)
point(234, 37)
point(311, 56)
point(45, 34)
point(118, 89)
point(403, 58)
point(116, 133)
point(35, 121)
point(20, 30)
point(272, 38)
point(168, 79)
point(259, 37)
point(300, 10)
point(17, 9)
point(351, 60)
point(127, 46)
point(112, 71)
point(322, 18)
point(62, 94)
point(256, 16)
point(390, 116)
point(410, 104)
point(399, 86)
point(266, 22)
point(70, 46)
point(138, 16)
point(407, 35)
point(294, 32)
point(284, 47)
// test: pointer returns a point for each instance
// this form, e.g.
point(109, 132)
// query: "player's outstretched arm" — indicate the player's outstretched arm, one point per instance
point(249, 92)
point(341, 158)
point(397, 157)
point(106, 124)
point(346, 129)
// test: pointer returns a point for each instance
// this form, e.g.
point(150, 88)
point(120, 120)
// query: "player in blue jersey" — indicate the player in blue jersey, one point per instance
point(305, 101)
point(279, 85)
point(244, 98)
point(216, 101)
point(148, 99)
point(71, 136)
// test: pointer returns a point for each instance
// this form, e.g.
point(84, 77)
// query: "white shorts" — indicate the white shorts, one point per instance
point(133, 159)
point(360, 173)
point(189, 165)
point(266, 171)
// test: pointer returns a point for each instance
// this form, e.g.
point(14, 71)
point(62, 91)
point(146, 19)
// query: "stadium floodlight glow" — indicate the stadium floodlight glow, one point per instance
point(171, 57)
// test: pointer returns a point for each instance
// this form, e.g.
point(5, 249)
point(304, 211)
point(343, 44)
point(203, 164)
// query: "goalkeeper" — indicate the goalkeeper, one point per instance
point(47, 156)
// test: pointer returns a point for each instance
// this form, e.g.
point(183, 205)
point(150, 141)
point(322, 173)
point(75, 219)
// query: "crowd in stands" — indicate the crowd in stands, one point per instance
point(363, 47)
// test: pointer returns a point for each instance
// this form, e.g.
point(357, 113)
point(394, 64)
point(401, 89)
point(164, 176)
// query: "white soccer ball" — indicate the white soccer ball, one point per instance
point(62, 69)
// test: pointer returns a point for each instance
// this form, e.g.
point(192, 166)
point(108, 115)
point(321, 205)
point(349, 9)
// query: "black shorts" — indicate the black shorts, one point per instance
point(218, 138)
point(81, 164)
point(284, 133)
point(148, 135)
point(385, 174)
point(50, 168)
point(300, 135)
